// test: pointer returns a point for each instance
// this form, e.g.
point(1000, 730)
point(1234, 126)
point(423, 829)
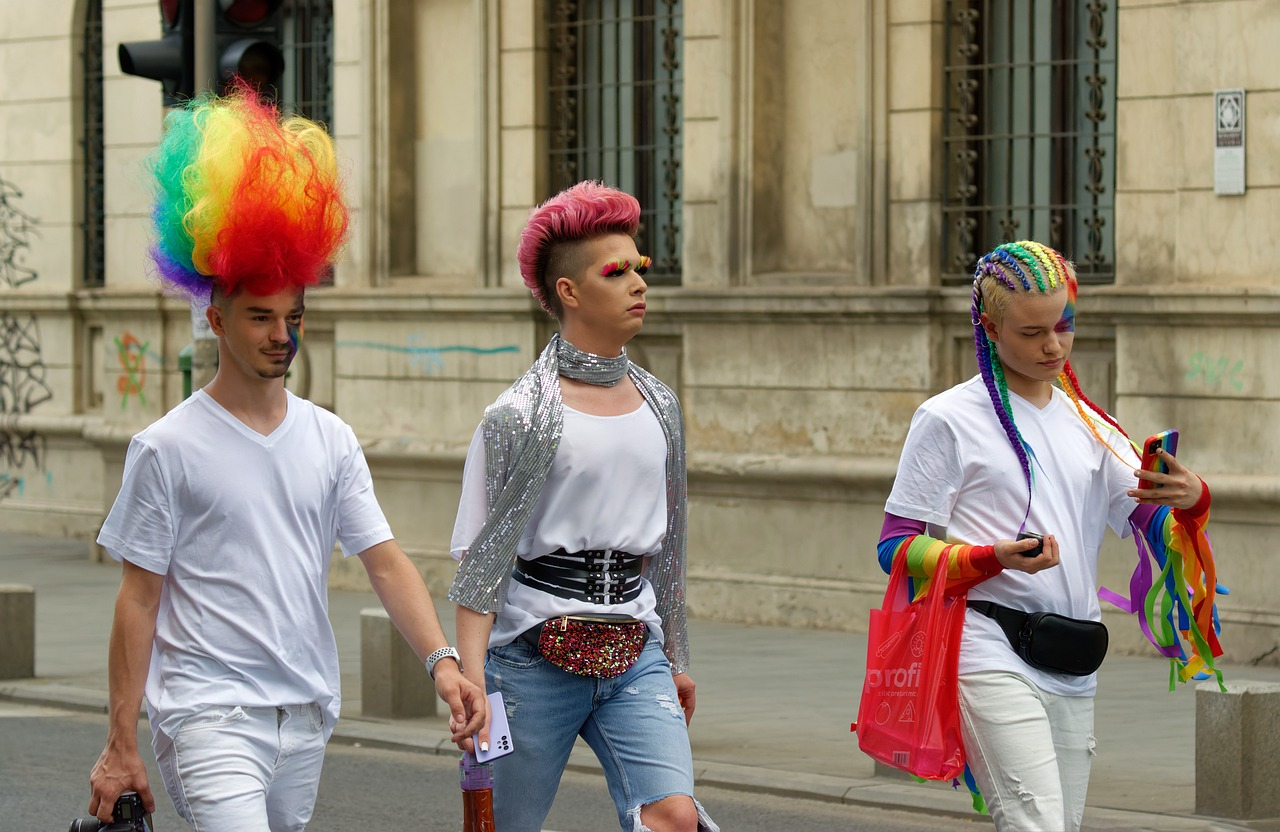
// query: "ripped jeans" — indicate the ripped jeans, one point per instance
point(633, 722)
point(1030, 751)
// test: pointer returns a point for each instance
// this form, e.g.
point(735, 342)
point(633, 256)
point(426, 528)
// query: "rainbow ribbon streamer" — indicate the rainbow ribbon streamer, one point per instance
point(1173, 591)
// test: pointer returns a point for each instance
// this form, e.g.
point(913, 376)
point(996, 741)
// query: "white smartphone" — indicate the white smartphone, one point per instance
point(500, 744)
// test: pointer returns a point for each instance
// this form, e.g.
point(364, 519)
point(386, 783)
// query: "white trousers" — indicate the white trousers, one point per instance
point(247, 769)
point(1030, 751)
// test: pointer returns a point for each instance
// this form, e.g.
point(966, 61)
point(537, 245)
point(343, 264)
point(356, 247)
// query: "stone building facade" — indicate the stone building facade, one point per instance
point(819, 171)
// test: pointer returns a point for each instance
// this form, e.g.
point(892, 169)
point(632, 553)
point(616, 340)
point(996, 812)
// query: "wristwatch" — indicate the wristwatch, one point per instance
point(442, 653)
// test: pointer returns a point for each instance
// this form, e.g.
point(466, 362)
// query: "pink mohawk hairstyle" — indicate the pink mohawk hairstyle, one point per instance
point(582, 212)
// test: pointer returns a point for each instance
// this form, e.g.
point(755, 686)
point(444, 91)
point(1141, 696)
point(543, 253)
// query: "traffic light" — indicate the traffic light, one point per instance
point(243, 34)
point(249, 44)
point(169, 60)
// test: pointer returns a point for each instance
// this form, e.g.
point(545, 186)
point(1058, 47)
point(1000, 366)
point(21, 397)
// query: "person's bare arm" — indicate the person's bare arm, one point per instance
point(120, 767)
point(473, 643)
point(403, 593)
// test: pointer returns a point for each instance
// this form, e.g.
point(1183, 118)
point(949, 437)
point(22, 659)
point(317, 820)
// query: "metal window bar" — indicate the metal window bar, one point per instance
point(307, 42)
point(93, 210)
point(1029, 131)
point(616, 111)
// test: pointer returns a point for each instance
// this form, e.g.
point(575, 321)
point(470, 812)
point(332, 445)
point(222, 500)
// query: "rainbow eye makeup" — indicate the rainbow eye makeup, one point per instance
point(617, 268)
point(1068, 321)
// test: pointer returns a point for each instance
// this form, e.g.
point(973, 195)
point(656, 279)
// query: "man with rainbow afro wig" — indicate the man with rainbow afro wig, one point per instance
point(572, 540)
point(232, 502)
point(1008, 452)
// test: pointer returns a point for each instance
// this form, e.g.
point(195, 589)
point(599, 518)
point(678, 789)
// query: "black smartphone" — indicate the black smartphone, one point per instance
point(1031, 553)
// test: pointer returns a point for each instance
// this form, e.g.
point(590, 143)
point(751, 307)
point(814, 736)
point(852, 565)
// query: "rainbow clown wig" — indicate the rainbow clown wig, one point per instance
point(578, 213)
point(1174, 586)
point(243, 200)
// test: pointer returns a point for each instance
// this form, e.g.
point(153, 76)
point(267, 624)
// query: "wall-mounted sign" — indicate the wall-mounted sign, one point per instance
point(1228, 142)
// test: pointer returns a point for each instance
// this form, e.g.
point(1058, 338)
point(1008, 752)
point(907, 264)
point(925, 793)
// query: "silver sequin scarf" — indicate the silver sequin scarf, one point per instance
point(521, 434)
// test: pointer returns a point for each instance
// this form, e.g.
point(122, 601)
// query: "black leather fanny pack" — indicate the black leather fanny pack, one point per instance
point(1050, 641)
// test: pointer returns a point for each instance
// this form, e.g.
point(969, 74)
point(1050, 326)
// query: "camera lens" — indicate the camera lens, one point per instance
point(85, 825)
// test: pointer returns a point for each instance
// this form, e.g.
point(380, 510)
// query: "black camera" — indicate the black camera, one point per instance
point(128, 816)
point(1034, 551)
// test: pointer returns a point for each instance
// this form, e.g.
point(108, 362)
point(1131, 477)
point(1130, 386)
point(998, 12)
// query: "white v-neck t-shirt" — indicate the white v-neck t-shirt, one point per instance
point(242, 526)
point(607, 489)
point(959, 474)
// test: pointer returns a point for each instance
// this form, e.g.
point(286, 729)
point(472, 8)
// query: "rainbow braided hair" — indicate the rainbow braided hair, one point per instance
point(1010, 268)
point(243, 200)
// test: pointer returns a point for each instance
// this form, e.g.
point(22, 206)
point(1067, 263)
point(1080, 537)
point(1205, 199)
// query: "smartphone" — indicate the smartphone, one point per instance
point(499, 732)
point(1033, 552)
point(1151, 461)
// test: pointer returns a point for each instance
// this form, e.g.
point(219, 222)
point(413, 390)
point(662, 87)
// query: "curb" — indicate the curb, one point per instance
point(884, 793)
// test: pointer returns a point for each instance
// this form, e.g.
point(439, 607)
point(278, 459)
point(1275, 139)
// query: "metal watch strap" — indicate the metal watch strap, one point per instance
point(442, 653)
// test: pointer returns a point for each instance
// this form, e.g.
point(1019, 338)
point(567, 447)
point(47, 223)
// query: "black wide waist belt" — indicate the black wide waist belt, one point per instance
point(597, 576)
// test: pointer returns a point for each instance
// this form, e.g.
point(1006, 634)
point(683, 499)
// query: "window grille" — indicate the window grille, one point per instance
point(1029, 131)
point(307, 43)
point(93, 209)
point(616, 112)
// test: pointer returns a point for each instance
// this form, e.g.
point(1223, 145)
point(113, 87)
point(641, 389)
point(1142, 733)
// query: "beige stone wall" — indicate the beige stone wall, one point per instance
point(1171, 226)
point(809, 143)
point(914, 147)
point(1195, 304)
point(809, 324)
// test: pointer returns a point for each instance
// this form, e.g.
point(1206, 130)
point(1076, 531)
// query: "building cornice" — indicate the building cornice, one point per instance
point(1108, 305)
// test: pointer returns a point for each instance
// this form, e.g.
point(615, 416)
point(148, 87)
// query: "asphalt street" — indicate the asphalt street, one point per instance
point(774, 707)
point(47, 753)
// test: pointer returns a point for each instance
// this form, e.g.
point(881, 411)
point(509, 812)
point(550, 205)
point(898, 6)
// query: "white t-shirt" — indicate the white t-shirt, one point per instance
point(959, 473)
point(607, 489)
point(242, 526)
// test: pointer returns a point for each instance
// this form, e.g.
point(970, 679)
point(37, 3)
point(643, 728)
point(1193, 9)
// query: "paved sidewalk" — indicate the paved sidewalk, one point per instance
point(774, 704)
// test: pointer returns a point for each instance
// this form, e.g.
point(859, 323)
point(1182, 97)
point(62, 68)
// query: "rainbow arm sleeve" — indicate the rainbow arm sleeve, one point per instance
point(904, 537)
point(1174, 587)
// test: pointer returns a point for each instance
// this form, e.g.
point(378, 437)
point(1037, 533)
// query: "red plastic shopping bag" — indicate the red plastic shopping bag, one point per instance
point(909, 717)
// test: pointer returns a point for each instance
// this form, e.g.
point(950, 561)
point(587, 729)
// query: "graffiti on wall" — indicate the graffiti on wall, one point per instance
point(1215, 369)
point(132, 355)
point(16, 230)
point(22, 388)
point(22, 370)
point(427, 359)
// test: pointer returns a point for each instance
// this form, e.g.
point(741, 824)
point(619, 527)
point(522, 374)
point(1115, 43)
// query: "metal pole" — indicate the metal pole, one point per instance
point(206, 37)
point(204, 357)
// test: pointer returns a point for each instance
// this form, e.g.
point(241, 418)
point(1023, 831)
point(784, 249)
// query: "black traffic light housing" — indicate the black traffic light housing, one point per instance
point(169, 60)
point(249, 36)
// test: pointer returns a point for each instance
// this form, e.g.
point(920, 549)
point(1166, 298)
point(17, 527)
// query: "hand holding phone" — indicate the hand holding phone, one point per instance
point(1151, 461)
point(499, 732)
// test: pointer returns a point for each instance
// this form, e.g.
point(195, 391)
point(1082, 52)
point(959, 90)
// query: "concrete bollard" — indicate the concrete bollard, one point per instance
point(17, 631)
point(1238, 750)
point(393, 682)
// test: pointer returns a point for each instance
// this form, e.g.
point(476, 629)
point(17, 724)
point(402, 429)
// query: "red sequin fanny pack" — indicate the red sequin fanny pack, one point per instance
point(599, 646)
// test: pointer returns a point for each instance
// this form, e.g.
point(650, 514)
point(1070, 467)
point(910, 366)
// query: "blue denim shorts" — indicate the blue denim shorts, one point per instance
point(633, 722)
